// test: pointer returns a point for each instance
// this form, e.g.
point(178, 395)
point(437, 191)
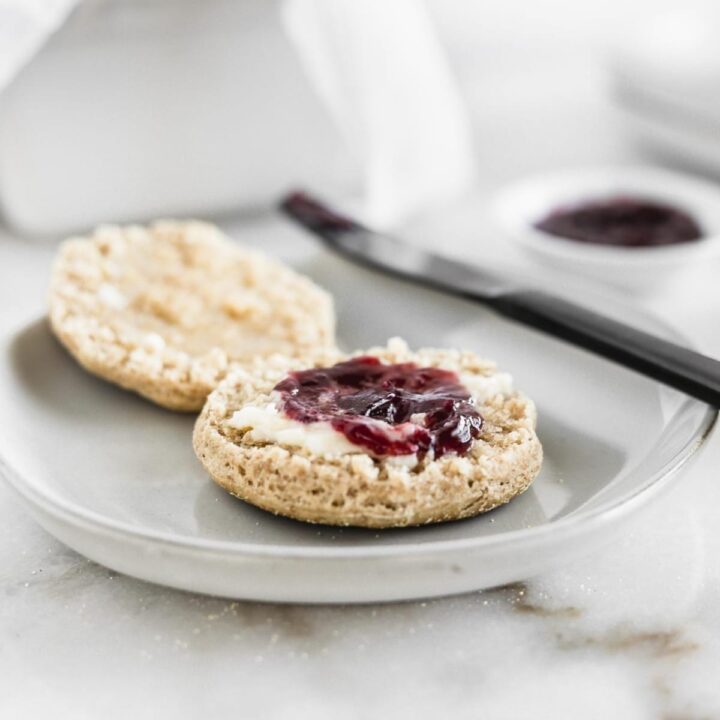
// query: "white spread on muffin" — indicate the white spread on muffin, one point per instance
point(267, 423)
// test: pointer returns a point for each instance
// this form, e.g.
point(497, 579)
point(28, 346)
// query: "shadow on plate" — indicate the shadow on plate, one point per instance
point(43, 368)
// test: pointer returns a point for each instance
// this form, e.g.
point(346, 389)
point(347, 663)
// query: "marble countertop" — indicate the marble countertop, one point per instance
point(630, 632)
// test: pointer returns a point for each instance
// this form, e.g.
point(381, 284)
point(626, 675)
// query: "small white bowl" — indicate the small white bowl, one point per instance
point(520, 206)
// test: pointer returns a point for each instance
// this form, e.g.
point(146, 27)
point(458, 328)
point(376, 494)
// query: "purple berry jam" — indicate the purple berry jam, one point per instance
point(386, 409)
point(622, 222)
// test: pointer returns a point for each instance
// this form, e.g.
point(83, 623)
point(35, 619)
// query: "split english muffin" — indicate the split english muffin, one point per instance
point(385, 438)
point(165, 310)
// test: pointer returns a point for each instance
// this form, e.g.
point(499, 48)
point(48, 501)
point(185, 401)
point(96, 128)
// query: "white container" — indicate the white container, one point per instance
point(137, 109)
point(144, 108)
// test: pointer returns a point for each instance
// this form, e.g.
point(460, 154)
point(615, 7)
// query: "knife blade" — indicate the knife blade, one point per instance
point(669, 363)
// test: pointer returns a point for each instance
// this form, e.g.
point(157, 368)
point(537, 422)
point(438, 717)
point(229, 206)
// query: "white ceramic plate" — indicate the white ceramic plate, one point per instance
point(115, 477)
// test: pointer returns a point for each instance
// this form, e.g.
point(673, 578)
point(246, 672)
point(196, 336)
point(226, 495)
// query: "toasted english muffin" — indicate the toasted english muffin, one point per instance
point(312, 472)
point(165, 310)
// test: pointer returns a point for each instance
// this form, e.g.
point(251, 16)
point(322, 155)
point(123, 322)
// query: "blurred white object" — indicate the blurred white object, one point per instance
point(666, 76)
point(24, 26)
point(138, 109)
point(639, 269)
point(384, 77)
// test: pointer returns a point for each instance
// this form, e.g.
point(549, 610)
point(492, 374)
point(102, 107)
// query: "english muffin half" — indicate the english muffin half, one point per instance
point(383, 438)
point(165, 310)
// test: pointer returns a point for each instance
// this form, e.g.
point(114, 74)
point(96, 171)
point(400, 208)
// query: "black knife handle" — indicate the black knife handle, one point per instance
point(671, 364)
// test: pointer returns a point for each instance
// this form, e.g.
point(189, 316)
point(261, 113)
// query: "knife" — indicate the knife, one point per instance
point(671, 364)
